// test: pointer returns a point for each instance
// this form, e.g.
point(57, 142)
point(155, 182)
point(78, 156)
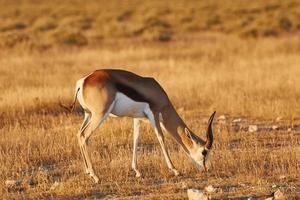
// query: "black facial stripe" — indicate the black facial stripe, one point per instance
point(204, 152)
point(130, 92)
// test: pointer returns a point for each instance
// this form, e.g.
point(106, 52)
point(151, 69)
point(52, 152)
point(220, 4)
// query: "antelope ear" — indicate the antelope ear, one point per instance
point(209, 132)
point(189, 134)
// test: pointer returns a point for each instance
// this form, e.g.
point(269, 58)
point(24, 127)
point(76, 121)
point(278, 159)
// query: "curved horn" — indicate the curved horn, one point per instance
point(209, 133)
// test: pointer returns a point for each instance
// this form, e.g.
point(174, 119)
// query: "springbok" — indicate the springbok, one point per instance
point(122, 93)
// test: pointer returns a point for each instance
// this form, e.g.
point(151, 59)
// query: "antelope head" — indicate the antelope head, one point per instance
point(199, 150)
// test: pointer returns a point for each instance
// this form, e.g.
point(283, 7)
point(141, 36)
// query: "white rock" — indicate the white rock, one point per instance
point(289, 129)
point(222, 117)
point(55, 185)
point(238, 120)
point(278, 195)
point(12, 183)
point(194, 194)
point(210, 188)
point(282, 177)
point(252, 128)
point(274, 186)
point(275, 127)
point(270, 198)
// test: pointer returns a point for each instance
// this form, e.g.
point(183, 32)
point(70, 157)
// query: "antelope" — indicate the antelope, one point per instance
point(122, 93)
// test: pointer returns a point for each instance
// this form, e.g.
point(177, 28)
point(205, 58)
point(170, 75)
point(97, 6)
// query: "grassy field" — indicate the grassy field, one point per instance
point(42, 24)
point(255, 78)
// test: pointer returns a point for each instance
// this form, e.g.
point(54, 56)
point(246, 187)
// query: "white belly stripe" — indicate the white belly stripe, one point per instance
point(125, 106)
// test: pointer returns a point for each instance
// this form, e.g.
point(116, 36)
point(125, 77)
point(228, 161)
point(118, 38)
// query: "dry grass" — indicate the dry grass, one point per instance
point(46, 23)
point(257, 79)
point(204, 66)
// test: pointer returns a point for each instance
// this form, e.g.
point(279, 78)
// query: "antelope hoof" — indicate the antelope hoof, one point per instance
point(176, 173)
point(92, 174)
point(137, 173)
point(96, 179)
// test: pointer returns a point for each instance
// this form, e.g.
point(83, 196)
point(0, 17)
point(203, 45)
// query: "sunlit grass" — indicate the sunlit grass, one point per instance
point(49, 23)
point(256, 79)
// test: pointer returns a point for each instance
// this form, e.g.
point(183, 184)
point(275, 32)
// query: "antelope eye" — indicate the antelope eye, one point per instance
point(204, 152)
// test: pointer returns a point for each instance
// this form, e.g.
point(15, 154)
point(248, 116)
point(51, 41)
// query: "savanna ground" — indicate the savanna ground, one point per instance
point(206, 61)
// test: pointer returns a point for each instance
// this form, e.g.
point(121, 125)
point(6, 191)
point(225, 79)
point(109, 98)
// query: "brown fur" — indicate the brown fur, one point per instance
point(99, 90)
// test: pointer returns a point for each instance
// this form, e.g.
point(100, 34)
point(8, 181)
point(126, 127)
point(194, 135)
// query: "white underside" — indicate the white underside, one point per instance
point(123, 106)
point(126, 107)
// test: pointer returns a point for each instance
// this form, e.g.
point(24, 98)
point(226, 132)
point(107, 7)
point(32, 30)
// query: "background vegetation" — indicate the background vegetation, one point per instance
point(76, 22)
point(237, 57)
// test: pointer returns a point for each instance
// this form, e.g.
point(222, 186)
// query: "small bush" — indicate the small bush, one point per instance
point(252, 32)
point(14, 26)
point(45, 24)
point(246, 22)
point(85, 23)
point(125, 16)
point(270, 32)
point(165, 37)
point(215, 20)
point(20, 26)
point(285, 23)
point(13, 39)
point(71, 38)
point(156, 22)
point(186, 20)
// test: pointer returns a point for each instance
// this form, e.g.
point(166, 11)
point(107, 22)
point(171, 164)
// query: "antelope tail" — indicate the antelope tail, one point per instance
point(71, 107)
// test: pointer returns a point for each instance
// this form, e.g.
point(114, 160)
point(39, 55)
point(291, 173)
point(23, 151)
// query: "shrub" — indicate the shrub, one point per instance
point(14, 26)
point(285, 23)
point(270, 32)
point(45, 24)
point(71, 38)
